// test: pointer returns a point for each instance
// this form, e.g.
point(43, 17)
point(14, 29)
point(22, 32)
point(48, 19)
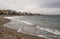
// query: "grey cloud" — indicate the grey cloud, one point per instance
point(38, 6)
point(52, 5)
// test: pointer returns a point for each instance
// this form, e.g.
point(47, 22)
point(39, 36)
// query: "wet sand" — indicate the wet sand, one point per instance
point(7, 33)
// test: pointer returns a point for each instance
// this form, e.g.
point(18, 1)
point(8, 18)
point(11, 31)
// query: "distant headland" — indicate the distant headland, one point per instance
point(11, 13)
point(15, 13)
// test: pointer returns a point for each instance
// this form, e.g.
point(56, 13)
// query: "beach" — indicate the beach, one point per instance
point(8, 33)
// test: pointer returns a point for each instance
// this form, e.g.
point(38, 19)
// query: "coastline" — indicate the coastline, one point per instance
point(7, 33)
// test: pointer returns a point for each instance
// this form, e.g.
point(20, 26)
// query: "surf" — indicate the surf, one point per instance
point(54, 31)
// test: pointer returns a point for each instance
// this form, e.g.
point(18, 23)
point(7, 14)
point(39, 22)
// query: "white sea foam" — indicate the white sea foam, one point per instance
point(26, 22)
point(42, 36)
point(9, 17)
point(18, 30)
point(13, 17)
point(54, 31)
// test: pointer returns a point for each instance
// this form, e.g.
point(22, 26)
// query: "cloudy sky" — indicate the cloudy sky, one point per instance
point(37, 6)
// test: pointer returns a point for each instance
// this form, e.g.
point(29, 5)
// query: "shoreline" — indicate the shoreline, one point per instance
point(7, 33)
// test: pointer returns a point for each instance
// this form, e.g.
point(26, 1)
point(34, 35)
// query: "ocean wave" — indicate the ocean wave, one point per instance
point(54, 31)
point(26, 22)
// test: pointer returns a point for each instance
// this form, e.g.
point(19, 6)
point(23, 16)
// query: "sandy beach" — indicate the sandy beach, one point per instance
point(7, 33)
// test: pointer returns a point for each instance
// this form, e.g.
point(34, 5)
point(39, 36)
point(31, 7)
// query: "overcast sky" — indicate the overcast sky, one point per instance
point(38, 6)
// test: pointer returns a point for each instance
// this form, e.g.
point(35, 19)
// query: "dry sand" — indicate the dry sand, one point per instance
point(7, 33)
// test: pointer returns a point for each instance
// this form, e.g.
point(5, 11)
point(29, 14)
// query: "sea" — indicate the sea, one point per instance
point(47, 26)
